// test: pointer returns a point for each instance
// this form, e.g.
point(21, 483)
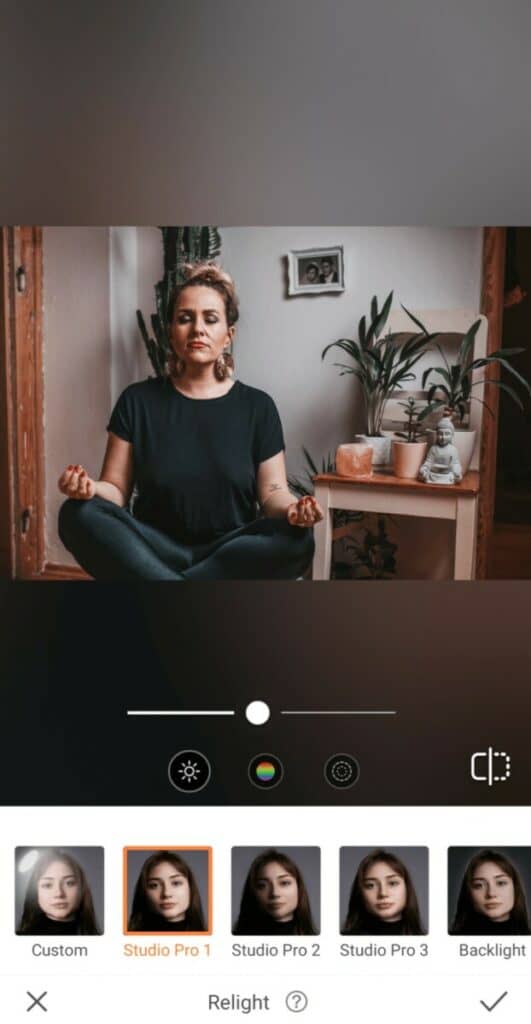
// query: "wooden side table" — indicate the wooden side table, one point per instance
point(384, 493)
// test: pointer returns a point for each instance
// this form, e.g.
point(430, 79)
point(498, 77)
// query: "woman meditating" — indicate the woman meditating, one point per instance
point(205, 454)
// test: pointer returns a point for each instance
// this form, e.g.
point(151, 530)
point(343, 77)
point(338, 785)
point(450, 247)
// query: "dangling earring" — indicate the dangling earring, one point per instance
point(223, 366)
point(176, 365)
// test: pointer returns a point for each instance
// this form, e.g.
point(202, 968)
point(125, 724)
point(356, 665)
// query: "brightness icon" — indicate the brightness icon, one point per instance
point(189, 771)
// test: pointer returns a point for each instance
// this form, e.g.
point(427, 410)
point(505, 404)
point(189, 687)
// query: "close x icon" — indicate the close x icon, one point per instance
point(36, 1001)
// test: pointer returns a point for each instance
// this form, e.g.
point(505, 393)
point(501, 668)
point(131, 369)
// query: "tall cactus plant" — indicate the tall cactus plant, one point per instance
point(180, 246)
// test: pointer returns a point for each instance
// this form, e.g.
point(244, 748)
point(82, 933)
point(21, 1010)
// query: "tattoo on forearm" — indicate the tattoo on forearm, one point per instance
point(274, 487)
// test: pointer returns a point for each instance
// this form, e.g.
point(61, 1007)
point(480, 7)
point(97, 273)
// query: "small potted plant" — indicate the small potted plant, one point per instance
point(450, 386)
point(382, 367)
point(409, 452)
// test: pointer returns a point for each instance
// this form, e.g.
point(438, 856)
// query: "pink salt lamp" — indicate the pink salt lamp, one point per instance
point(354, 460)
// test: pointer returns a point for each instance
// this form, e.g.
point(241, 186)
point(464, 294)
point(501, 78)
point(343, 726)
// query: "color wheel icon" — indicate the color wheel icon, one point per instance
point(265, 771)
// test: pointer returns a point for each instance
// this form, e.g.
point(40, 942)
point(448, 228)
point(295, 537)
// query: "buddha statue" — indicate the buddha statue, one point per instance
point(442, 465)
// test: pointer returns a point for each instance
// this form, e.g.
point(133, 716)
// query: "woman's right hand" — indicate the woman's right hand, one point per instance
point(76, 483)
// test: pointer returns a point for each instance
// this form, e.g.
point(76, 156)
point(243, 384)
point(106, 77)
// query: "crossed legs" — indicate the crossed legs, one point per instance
point(110, 544)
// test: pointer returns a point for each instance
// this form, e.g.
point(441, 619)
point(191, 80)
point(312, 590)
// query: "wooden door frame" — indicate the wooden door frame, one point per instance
point(492, 292)
point(7, 512)
point(22, 480)
point(22, 398)
point(22, 537)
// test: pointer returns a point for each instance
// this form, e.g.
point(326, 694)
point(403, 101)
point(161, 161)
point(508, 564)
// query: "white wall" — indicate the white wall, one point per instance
point(280, 339)
point(123, 274)
point(77, 358)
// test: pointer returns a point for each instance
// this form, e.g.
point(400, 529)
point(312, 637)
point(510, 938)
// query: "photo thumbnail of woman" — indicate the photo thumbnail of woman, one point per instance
point(203, 454)
point(168, 890)
point(384, 891)
point(276, 891)
point(59, 890)
point(488, 891)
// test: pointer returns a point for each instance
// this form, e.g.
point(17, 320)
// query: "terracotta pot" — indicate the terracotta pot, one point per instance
point(381, 448)
point(408, 457)
point(354, 460)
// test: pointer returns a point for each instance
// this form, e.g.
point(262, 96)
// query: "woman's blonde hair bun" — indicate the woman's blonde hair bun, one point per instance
point(207, 270)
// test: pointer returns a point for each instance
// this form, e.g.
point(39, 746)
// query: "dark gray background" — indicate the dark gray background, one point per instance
point(91, 859)
point(459, 856)
point(414, 857)
point(197, 861)
point(371, 113)
point(298, 112)
point(307, 859)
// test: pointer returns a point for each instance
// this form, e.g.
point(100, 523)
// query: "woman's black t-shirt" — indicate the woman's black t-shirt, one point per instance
point(44, 925)
point(480, 924)
point(266, 925)
point(195, 460)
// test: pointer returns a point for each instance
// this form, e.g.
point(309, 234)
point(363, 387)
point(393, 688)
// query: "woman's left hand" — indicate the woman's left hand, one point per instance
point(304, 512)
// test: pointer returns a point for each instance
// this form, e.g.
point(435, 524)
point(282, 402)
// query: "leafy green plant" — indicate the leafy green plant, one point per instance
point(180, 245)
point(453, 393)
point(413, 426)
point(380, 363)
point(302, 486)
point(374, 554)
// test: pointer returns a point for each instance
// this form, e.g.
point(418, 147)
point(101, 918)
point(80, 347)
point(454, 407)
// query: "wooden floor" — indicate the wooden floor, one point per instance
point(510, 552)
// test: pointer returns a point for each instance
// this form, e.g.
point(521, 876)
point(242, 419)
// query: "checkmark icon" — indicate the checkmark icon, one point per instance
point(494, 1005)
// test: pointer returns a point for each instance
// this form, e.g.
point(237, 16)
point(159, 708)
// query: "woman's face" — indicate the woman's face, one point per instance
point(58, 891)
point(312, 274)
point(492, 891)
point(384, 892)
point(168, 891)
point(277, 892)
point(199, 330)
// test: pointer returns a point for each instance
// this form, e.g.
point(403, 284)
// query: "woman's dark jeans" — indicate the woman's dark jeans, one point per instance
point(110, 544)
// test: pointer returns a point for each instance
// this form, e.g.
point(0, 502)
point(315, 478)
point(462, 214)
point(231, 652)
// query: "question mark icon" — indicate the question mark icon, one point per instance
point(296, 1001)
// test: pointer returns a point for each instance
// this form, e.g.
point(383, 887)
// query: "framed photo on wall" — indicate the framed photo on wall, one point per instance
point(316, 270)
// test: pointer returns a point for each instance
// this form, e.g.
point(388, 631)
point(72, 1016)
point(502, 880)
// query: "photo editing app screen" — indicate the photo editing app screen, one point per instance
point(265, 558)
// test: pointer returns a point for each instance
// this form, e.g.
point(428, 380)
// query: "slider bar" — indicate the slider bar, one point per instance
point(302, 712)
point(175, 714)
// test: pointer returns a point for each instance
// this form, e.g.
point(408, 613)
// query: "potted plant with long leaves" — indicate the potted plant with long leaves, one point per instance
point(409, 445)
point(382, 365)
point(451, 385)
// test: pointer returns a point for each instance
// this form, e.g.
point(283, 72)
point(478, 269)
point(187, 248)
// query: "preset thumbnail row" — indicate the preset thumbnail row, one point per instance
point(275, 891)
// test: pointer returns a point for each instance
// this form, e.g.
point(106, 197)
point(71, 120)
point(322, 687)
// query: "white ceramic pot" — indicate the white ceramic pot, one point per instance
point(408, 457)
point(465, 442)
point(381, 447)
